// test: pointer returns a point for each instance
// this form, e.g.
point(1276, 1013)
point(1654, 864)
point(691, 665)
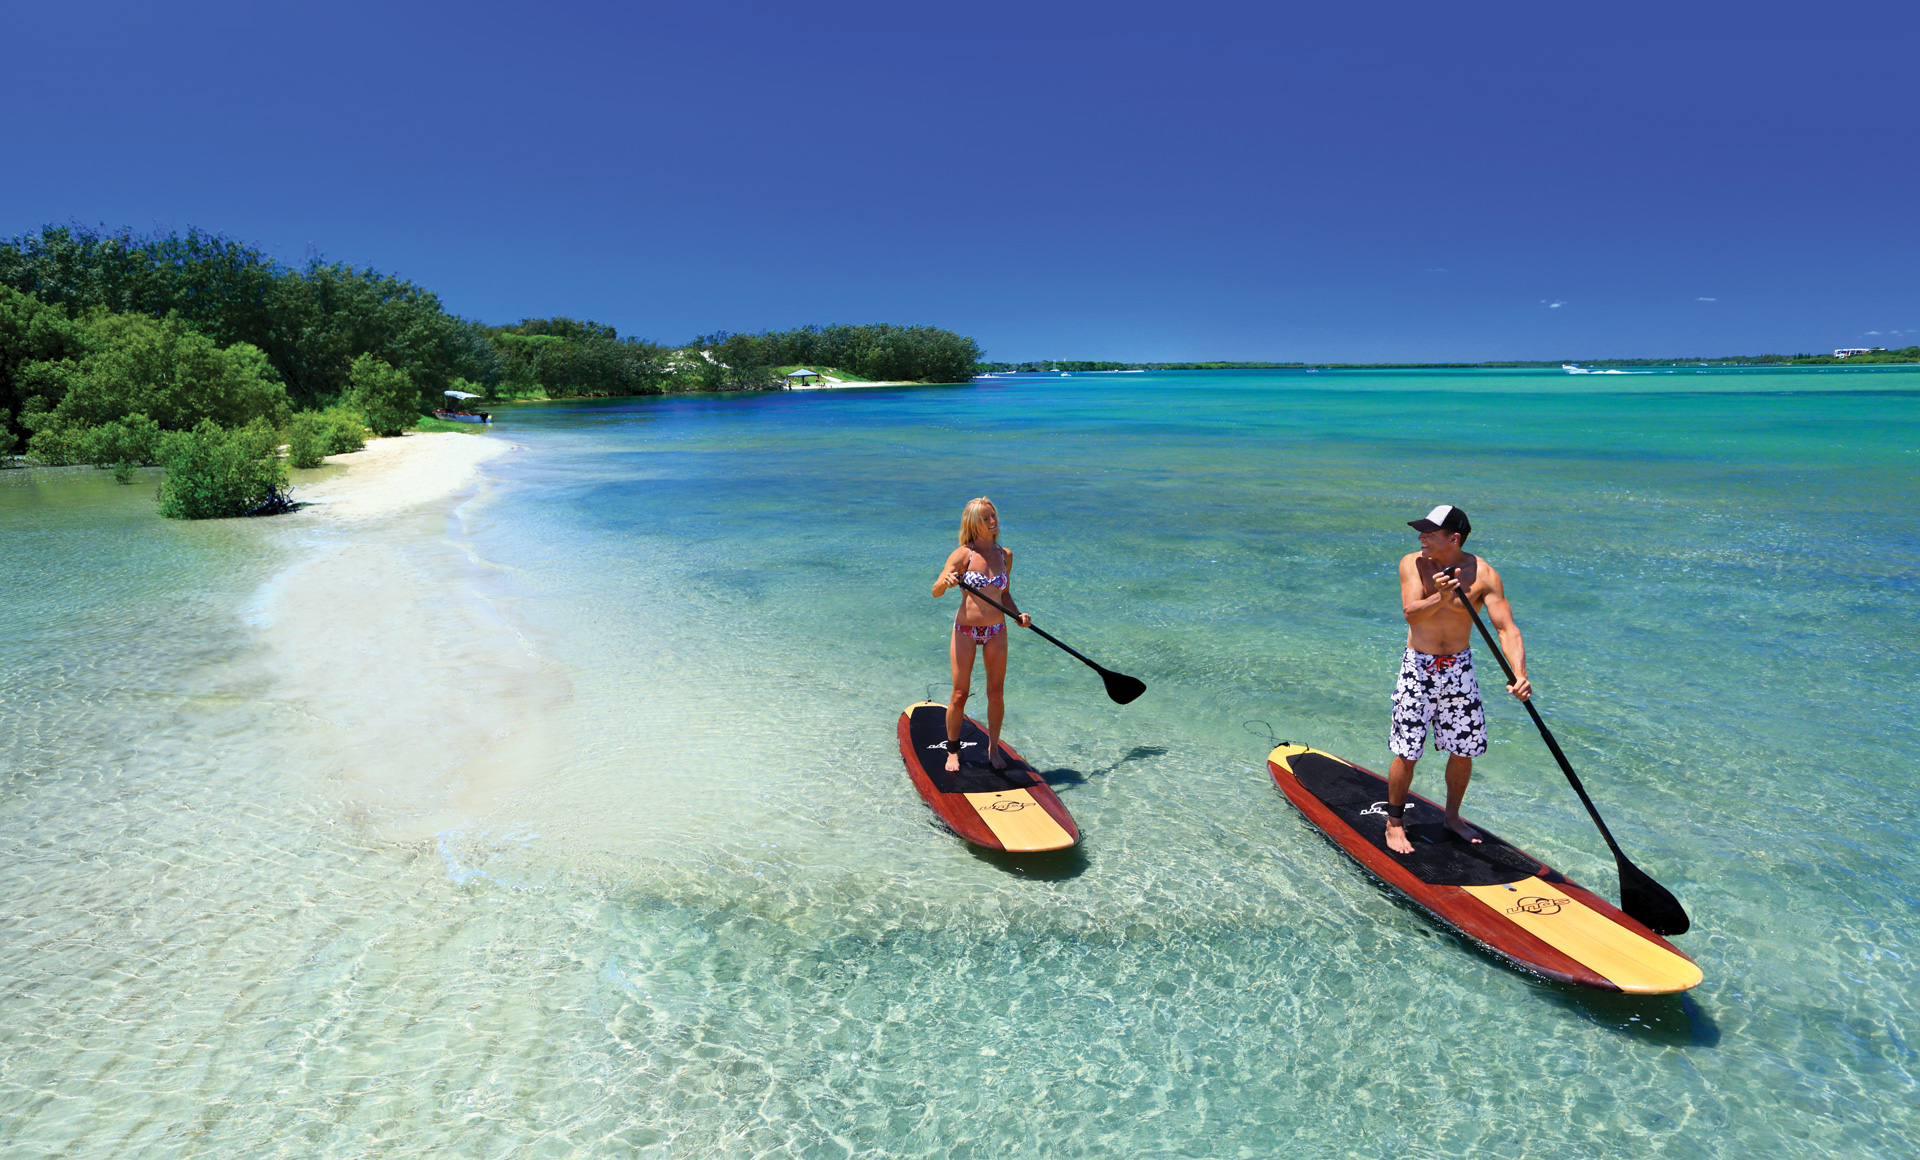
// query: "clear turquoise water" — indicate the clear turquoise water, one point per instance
point(712, 918)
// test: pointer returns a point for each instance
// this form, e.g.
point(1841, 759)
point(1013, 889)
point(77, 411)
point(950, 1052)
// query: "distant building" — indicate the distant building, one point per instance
point(1845, 351)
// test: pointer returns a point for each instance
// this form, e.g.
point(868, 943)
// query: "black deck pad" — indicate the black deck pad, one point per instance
point(1439, 858)
point(928, 725)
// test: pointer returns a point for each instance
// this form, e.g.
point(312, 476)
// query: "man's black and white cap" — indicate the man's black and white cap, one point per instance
point(1445, 518)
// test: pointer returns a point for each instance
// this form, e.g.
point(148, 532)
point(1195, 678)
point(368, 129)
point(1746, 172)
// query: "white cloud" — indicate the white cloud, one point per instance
point(1706, 300)
point(1874, 332)
point(1555, 304)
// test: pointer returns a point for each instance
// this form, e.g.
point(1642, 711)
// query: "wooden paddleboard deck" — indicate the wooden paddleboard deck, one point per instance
point(1010, 809)
point(1494, 893)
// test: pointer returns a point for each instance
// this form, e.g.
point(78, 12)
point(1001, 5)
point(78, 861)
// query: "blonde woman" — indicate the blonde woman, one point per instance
point(983, 563)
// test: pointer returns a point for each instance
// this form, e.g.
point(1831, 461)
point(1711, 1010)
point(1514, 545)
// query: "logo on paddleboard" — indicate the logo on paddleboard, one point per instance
point(1534, 905)
point(1006, 807)
point(943, 745)
point(1376, 808)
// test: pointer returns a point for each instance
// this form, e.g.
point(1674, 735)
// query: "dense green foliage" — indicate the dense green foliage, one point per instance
point(878, 352)
point(128, 442)
point(310, 323)
point(30, 332)
point(193, 351)
point(564, 358)
point(214, 472)
point(61, 377)
point(132, 365)
point(314, 435)
point(384, 394)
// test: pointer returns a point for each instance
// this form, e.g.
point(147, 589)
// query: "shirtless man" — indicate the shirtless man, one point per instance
point(1437, 688)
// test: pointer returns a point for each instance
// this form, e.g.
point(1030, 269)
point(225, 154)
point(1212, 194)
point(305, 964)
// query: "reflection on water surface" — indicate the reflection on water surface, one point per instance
point(658, 884)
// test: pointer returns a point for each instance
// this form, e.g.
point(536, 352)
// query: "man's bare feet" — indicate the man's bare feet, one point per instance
point(953, 757)
point(1397, 837)
point(1467, 833)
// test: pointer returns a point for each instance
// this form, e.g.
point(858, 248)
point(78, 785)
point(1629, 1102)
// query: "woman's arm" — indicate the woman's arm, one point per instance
point(950, 574)
point(1025, 621)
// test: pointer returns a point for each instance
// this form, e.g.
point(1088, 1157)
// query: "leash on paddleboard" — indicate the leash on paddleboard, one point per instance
point(1120, 686)
point(1274, 741)
point(1644, 900)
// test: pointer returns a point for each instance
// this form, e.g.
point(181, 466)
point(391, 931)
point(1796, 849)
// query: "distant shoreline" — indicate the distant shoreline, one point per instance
point(849, 384)
point(1907, 357)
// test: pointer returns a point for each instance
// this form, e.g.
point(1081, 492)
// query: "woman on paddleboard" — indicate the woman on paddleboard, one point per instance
point(985, 565)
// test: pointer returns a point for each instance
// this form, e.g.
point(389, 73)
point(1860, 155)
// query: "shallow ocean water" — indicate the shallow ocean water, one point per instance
point(699, 911)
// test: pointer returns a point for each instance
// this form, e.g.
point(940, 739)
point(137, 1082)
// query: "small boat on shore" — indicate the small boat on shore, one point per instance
point(454, 413)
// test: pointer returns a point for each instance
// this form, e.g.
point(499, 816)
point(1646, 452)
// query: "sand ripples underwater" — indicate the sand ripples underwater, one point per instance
point(566, 819)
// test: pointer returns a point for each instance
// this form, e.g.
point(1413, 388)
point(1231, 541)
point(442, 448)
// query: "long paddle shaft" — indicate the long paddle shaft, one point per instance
point(1643, 899)
point(1120, 686)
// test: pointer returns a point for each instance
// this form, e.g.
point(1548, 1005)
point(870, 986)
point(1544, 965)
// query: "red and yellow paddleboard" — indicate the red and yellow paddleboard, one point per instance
point(1010, 809)
point(1494, 893)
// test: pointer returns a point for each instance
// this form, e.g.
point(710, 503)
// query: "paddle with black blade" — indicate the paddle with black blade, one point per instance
point(1120, 686)
point(1644, 900)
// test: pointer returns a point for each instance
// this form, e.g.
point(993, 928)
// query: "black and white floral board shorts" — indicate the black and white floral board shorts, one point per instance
point(1441, 692)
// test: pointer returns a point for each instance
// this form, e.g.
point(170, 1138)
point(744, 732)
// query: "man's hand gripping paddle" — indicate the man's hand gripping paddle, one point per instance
point(1120, 686)
point(1644, 900)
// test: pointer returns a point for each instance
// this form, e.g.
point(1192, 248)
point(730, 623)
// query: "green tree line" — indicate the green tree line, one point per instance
point(309, 324)
point(882, 353)
point(124, 350)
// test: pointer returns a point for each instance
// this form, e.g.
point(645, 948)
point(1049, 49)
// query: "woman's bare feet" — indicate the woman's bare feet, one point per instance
point(953, 757)
point(996, 758)
point(1397, 837)
point(1466, 833)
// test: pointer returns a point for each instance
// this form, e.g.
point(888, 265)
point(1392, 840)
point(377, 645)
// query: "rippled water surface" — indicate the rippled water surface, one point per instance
point(570, 821)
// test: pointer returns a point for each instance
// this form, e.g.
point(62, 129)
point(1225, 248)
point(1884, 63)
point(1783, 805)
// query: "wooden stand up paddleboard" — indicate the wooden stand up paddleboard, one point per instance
point(1494, 893)
point(1010, 809)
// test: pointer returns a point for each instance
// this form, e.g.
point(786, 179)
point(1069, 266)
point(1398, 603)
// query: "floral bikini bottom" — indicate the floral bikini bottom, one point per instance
point(981, 633)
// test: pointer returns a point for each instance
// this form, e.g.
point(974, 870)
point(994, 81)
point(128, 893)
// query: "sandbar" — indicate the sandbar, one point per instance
point(391, 475)
point(425, 700)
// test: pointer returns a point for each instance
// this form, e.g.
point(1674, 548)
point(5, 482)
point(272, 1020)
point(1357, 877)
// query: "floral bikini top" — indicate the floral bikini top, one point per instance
point(986, 579)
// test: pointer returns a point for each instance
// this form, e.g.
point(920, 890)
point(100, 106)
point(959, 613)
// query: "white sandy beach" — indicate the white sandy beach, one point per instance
point(390, 475)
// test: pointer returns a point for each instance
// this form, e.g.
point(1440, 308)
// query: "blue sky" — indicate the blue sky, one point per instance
point(1320, 182)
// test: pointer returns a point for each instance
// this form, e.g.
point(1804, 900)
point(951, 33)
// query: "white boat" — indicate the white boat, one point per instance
point(454, 415)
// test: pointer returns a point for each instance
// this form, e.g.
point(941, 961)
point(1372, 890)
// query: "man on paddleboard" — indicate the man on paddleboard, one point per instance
point(1437, 690)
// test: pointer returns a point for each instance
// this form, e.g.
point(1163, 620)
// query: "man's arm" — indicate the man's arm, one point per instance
point(1501, 613)
point(1413, 598)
